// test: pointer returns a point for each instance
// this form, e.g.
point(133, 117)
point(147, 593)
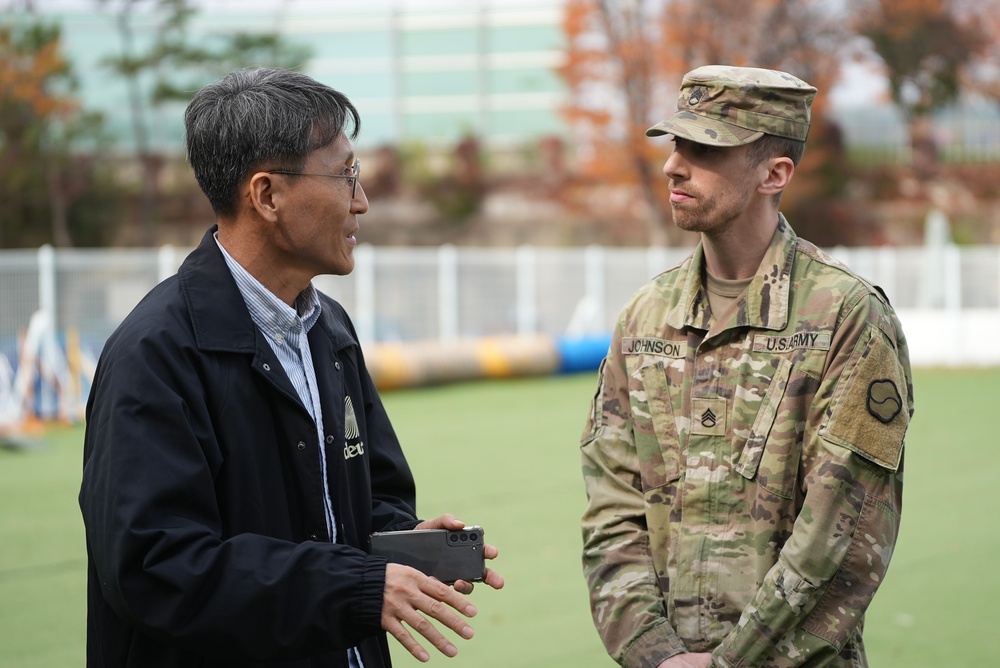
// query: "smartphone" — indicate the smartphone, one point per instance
point(445, 554)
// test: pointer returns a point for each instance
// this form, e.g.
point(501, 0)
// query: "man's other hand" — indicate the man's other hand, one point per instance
point(413, 599)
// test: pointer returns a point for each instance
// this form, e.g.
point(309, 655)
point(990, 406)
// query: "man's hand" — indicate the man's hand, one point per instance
point(411, 597)
point(448, 521)
point(688, 660)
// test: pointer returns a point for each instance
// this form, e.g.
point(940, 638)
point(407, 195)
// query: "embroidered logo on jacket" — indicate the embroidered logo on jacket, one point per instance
point(351, 431)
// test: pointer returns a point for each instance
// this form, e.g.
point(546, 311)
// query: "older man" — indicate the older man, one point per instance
point(237, 454)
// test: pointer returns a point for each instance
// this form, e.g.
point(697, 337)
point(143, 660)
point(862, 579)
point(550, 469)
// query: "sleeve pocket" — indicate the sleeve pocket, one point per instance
point(838, 613)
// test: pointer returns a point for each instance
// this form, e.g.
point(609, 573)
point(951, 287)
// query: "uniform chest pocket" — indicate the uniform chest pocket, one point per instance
point(771, 453)
point(655, 429)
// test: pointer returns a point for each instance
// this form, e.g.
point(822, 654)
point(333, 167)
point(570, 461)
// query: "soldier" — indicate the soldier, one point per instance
point(743, 453)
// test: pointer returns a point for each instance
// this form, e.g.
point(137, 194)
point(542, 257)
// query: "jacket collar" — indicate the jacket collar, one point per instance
point(765, 304)
point(219, 315)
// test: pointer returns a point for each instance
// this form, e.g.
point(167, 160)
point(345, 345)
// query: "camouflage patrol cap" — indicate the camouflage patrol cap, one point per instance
point(731, 106)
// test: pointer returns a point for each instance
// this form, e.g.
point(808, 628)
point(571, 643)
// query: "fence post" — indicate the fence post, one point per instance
point(526, 277)
point(952, 257)
point(951, 275)
point(656, 261)
point(166, 262)
point(593, 259)
point(843, 254)
point(887, 270)
point(364, 292)
point(447, 293)
point(47, 283)
point(46, 400)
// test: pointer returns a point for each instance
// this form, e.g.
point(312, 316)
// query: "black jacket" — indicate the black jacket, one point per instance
point(202, 492)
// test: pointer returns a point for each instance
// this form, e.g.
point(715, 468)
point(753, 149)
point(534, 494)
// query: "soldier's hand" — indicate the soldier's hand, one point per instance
point(688, 660)
point(413, 599)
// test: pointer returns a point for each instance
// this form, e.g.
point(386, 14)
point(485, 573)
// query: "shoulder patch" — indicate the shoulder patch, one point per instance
point(868, 412)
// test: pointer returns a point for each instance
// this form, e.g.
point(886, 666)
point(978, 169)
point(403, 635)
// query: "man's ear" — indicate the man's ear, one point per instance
point(263, 194)
point(779, 174)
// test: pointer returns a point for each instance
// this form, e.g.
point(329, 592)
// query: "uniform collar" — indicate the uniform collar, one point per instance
point(765, 303)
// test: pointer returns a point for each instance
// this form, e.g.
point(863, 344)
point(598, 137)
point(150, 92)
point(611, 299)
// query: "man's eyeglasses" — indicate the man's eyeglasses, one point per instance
point(353, 176)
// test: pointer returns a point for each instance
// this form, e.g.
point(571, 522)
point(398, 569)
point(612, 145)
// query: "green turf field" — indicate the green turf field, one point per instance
point(504, 454)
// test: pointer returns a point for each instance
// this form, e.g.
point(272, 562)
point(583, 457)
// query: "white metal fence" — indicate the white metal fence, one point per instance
point(948, 298)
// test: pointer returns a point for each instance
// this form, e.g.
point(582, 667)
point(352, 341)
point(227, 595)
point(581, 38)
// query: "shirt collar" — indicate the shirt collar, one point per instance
point(276, 319)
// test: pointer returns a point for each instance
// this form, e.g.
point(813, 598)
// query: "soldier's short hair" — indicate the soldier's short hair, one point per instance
point(773, 146)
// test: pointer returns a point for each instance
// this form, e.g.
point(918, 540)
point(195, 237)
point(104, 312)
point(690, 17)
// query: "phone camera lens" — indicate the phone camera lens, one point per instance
point(454, 538)
point(465, 537)
point(473, 536)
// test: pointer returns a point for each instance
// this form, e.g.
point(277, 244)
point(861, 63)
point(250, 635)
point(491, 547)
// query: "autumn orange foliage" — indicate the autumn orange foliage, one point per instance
point(24, 73)
point(625, 60)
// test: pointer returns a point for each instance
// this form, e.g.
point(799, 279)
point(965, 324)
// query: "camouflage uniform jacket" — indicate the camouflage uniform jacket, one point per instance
point(744, 477)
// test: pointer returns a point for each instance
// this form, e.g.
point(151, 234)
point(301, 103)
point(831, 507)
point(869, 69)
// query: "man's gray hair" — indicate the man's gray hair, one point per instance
point(257, 119)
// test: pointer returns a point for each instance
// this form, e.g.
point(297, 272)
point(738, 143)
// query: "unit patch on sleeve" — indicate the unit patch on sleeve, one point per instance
point(633, 345)
point(884, 402)
point(781, 344)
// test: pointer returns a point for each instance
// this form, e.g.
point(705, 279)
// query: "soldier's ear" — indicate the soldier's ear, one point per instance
point(777, 175)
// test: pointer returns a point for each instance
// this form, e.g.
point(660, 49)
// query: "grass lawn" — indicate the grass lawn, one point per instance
point(503, 454)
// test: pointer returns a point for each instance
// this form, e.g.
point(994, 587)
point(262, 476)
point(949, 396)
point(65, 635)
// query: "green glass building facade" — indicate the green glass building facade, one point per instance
point(415, 73)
